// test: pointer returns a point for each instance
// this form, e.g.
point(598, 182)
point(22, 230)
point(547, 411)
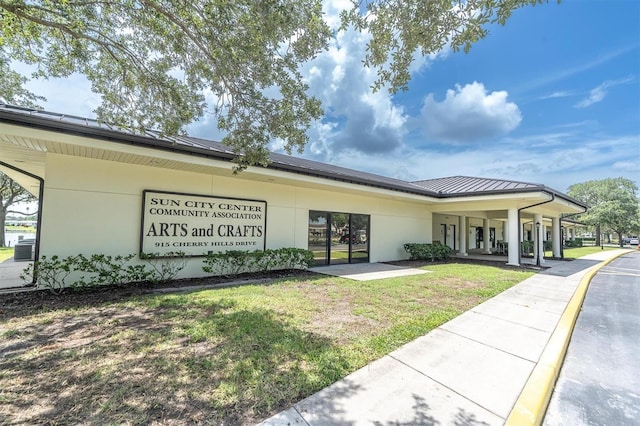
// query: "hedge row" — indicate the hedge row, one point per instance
point(56, 273)
point(427, 251)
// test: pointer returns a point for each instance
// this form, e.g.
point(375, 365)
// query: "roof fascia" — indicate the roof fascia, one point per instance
point(47, 124)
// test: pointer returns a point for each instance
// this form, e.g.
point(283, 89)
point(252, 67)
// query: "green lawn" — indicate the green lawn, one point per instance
point(576, 252)
point(5, 253)
point(25, 229)
point(232, 356)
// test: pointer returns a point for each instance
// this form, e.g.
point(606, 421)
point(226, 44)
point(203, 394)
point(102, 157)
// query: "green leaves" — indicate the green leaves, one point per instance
point(233, 262)
point(613, 204)
point(163, 64)
point(153, 62)
point(427, 251)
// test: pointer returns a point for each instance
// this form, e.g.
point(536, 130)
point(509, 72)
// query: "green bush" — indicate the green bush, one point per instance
point(234, 262)
point(108, 270)
point(50, 273)
point(165, 267)
point(427, 251)
point(99, 269)
point(576, 242)
point(588, 241)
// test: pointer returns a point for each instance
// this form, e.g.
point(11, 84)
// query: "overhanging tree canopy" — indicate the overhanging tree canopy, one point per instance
point(159, 63)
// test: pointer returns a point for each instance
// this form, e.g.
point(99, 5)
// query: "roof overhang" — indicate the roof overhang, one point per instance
point(26, 148)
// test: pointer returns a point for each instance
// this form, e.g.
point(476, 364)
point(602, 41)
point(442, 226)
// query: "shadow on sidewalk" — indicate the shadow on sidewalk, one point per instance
point(569, 268)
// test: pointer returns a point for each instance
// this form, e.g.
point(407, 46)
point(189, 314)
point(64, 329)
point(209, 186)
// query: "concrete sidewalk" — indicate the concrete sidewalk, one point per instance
point(367, 271)
point(10, 274)
point(470, 370)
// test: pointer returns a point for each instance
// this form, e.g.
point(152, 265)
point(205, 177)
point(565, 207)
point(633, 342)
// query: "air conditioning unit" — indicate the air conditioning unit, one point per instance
point(23, 251)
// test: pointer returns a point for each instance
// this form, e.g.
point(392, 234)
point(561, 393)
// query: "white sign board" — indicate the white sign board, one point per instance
point(197, 225)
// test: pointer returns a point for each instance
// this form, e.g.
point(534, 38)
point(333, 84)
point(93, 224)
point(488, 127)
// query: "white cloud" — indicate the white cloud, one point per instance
point(469, 114)
point(70, 95)
point(356, 120)
point(626, 166)
point(553, 76)
point(559, 94)
point(597, 94)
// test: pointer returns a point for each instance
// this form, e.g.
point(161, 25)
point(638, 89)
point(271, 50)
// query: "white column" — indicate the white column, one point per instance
point(538, 244)
point(487, 236)
point(463, 235)
point(556, 239)
point(512, 235)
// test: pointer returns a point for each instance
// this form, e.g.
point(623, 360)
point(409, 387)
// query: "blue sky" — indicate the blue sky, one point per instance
point(552, 97)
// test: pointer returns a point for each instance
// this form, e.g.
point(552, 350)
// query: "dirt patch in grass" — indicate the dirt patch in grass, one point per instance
point(232, 355)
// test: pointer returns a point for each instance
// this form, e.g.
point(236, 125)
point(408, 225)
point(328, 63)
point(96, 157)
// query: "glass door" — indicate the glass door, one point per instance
point(359, 238)
point(336, 238)
point(341, 238)
point(318, 232)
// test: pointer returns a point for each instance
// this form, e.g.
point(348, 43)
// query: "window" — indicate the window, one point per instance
point(338, 237)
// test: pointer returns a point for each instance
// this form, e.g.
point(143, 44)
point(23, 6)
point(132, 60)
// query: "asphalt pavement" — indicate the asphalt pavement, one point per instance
point(599, 383)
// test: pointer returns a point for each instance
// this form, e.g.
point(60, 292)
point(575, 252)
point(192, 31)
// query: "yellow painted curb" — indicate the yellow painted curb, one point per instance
point(532, 404)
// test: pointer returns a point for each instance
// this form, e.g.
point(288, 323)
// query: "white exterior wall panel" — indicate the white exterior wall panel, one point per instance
point(95, 206)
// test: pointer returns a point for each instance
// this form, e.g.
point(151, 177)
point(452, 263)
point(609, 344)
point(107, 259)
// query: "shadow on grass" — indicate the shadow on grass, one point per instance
point(21, 304)
point(211, 363)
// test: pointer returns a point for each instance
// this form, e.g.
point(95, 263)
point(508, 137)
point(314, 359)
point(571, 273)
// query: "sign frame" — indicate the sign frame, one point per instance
point(176, 238)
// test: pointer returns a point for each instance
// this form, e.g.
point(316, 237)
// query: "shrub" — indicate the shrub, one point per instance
point(49, 273)
point(108, 270)
point(576, 242)
point(587, 241)
point(233, 262)
point(165, 267)
point(99, 269)
point(427, 251)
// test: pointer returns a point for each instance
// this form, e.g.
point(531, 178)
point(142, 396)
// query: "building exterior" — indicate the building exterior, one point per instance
point(111, 191)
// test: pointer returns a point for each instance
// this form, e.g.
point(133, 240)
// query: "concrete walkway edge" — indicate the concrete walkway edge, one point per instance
point(531, 406)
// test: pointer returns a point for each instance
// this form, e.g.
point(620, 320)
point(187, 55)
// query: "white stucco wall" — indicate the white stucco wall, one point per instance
point(95, 206)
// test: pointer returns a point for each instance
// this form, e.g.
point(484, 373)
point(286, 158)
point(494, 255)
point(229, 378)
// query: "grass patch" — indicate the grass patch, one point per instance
point(576, 252)
point(232, 356)
point(5, 253)
point(25, 229)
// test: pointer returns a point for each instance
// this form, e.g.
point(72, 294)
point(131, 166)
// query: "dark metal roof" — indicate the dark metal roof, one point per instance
point(195, 146)
point(464, 185)
point(437, 188)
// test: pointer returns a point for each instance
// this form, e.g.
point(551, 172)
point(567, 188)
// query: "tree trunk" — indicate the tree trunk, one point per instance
point(620, 238)
point(598, 236)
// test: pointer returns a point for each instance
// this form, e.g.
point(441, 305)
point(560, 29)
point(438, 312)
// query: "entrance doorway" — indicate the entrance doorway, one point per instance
point(336, 238)
point(448, 235)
